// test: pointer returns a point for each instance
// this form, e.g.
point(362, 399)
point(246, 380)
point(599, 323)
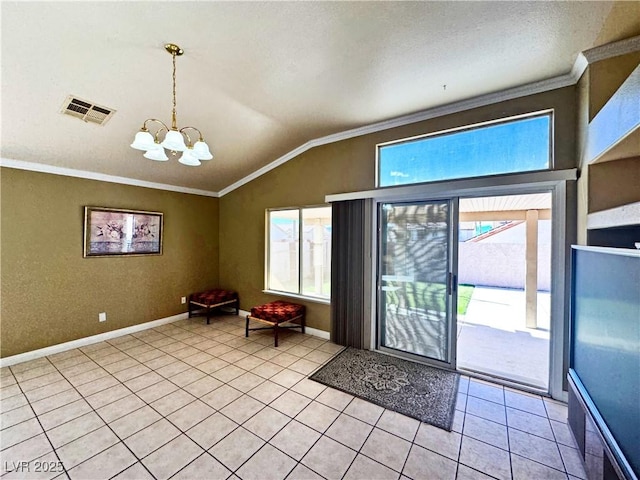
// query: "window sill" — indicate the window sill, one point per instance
point(323, 301)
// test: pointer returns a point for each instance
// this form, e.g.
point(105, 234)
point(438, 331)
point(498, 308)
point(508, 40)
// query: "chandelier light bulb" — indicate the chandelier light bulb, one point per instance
point(156, 153)
point(201, 150)
point(143, 141)
point(174, 141)
point(189, 158)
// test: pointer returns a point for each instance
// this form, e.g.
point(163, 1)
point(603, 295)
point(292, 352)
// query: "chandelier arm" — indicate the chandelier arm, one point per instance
point(192, 128)
point(144, 126)
point(186, 135)
point(163, 127)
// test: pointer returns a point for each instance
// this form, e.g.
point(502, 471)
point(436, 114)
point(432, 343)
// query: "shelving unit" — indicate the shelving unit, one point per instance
point(614, 135)
point(616, 227)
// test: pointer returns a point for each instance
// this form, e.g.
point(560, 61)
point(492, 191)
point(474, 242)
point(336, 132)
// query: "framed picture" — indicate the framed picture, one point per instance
point(113, 232)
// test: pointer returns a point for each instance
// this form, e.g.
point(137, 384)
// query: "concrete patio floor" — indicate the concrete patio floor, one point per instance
point(493, 338)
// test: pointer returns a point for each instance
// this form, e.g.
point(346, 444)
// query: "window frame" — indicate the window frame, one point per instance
point(267, 243)
point(474, 126)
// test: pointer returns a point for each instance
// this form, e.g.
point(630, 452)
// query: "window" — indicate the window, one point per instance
point(291, 269)
point(508, 146)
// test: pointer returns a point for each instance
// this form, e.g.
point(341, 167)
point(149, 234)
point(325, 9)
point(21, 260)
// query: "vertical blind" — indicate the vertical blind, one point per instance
point(349, 267)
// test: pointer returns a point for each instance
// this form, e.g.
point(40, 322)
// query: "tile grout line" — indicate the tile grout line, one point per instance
point(215, 410)
point(506, 419)
point(298, 462)
point(65, 472)
point(139, 460)
point(464, 418)
point(110, 446)
point(96, 412)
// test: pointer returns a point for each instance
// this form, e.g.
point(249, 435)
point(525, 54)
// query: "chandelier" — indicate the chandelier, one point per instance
point(174, 139)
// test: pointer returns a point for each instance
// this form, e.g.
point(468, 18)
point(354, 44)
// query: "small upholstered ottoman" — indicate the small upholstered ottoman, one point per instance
point(210, 300)
point(276, 313)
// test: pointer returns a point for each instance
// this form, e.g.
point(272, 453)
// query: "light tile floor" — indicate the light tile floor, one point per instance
point(195, 401)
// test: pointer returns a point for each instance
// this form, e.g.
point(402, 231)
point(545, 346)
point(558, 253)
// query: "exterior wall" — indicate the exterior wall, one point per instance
point(51, 294)
point(348, 166)
point(501, 265)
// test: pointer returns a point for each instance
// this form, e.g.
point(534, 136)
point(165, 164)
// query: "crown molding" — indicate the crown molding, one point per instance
point(70, 172)
point(614, 49)
point(603, 52)
point(579, 67)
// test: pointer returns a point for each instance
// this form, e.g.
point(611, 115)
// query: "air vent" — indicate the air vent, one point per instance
point(86, 111)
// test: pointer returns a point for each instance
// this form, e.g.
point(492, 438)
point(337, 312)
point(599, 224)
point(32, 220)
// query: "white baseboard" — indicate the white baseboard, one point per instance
point(83, 342)
point(311, 331)
point(317, 333)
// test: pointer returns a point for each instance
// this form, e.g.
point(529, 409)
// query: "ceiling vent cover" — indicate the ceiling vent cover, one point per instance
point(87, 111)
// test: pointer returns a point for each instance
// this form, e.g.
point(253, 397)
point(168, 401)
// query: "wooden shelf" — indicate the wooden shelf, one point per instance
point(614, 133)
point(624, 216)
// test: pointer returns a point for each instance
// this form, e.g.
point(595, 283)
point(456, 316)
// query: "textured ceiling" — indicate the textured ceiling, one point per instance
point(260, 79)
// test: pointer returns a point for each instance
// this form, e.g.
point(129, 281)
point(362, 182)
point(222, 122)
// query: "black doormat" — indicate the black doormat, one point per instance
point(426, 393)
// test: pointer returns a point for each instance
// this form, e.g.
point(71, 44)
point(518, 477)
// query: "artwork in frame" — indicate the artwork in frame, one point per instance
point(115, 232)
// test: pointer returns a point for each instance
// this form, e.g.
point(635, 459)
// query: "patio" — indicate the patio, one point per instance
point(493, 337)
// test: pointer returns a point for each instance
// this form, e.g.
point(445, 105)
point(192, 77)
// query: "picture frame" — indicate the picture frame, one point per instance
point(110, 232)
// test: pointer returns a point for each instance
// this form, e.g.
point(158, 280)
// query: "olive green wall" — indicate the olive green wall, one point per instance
point(347, 166)
point(621, 23)
point(51, 294)
point(606, 76)
point(613, 184)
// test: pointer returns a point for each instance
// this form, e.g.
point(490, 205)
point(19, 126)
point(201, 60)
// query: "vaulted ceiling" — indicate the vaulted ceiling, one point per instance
point(259, 79)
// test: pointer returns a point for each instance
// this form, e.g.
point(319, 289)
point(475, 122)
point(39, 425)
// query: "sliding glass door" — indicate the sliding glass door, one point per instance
point(416, 287)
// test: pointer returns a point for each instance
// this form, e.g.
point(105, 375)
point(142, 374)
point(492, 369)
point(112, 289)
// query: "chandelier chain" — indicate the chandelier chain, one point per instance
point(174, 123)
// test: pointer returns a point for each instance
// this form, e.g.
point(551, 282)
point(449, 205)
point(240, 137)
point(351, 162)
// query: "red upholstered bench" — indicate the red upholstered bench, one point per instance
point(210, 300)
point(276, 313)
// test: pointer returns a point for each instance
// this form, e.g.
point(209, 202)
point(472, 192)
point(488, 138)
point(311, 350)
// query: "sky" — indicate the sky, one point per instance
point(517, 146)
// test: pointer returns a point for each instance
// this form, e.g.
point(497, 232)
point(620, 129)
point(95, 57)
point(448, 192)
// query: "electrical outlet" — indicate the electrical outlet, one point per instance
point(102, 317)
point(183, 300)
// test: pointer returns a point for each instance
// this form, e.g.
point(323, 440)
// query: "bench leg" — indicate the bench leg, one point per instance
point(208, 315)
point(237, 307)
point(190, 308)
point(246, 328)
point(275, 329)
point(303, 322)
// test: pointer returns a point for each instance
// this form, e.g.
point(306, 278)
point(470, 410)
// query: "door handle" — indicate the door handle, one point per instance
point(452, 283)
